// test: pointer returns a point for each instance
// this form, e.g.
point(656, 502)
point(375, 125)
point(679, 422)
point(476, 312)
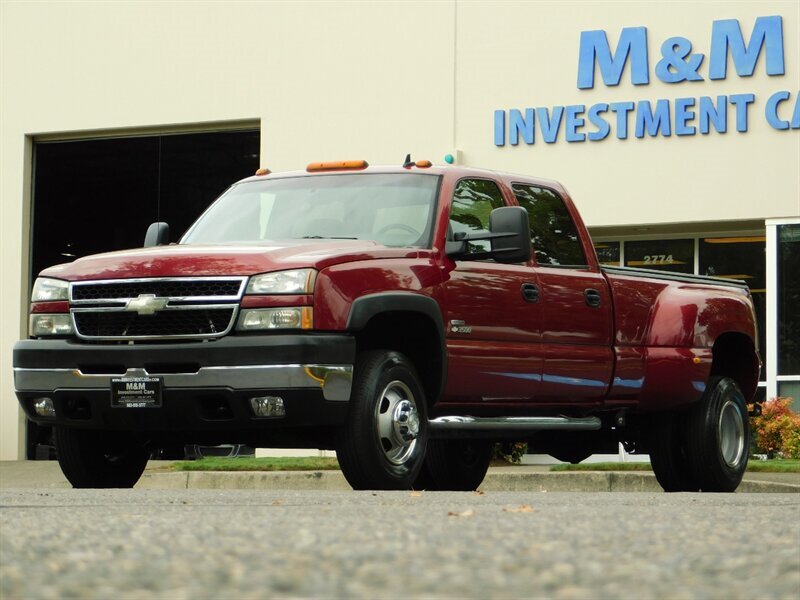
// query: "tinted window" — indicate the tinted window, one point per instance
point(608, 253)
point(473, 202)
point(553, 234)
point(676, 256)
point(789, 303)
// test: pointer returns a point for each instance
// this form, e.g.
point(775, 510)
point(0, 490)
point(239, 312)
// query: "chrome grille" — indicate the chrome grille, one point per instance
point(189, 288)
point(167, 323)
point(154, 309)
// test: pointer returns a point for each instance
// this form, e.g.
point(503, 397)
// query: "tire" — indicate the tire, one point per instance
point(669, 453)
point(382, 444)
point(718, 436)
point(455, 465)
point(95, 459)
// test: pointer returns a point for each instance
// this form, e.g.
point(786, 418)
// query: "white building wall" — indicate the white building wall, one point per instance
point(333, 80)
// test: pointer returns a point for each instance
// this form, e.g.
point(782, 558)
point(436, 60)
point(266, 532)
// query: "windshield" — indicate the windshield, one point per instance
point(393, 209)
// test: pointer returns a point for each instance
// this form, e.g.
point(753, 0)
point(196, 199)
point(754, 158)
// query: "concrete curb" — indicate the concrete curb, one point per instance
point(501, 480)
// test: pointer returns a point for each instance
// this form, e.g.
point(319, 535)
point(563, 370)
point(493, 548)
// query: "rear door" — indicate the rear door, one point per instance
point(575, 302)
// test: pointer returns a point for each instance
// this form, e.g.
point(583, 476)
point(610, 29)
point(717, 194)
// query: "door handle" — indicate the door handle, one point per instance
point(593, 298)
point(530, 292)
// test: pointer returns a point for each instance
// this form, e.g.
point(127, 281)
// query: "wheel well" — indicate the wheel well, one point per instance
point(735, 356)
point(413, 334)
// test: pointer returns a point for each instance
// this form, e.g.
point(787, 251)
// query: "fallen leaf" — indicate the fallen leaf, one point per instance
point(524, 508)
point(467, 513)
point(277, 502)
point(479, 493)
point(416, 494)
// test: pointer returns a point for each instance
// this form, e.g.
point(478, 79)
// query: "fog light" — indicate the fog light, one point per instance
point(44, 407)
point(268, 406)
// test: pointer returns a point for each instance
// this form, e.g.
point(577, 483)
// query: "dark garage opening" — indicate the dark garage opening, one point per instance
point(99, 195)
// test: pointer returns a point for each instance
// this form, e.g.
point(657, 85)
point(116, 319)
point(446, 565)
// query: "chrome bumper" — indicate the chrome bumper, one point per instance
point(335, 381)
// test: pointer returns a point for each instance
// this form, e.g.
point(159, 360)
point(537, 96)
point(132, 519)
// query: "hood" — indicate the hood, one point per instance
point(220, 260)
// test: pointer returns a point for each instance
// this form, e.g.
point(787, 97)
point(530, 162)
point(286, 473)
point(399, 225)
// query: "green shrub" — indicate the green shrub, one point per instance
point(776, 432)
point(510, 451)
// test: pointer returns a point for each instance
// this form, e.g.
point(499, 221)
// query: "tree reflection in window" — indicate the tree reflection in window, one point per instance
point(473, 202)
point(553, 234)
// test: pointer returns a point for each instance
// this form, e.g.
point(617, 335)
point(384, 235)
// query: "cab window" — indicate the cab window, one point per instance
point(554, 236)
point(473, 202)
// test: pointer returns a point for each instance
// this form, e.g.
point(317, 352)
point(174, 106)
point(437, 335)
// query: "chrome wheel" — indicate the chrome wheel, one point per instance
point(381, 445)
point(397, 422)
point(731, 434)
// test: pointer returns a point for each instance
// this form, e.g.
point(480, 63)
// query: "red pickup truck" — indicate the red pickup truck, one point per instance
point(407, 317)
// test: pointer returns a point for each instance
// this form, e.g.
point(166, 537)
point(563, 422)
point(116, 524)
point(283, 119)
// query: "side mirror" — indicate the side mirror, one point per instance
point(513, 245)
point(509, 235)
point(157, 235)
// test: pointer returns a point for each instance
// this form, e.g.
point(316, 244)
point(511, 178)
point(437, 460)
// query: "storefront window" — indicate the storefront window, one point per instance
point(740, 258)
point(608, 253)
point(789, 299)
point(676, 256)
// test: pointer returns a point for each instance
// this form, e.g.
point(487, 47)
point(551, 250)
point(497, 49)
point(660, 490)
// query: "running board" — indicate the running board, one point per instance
point(501, 427)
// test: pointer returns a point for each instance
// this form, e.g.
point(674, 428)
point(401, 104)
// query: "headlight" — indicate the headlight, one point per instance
point(42, 325)
point(293, 317)
point(47, 290)
point(297, 281)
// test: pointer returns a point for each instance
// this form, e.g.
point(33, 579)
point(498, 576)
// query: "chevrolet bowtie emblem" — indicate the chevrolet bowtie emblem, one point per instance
point(146, 304)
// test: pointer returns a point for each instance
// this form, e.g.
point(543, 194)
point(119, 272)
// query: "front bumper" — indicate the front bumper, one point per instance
point(206, 385)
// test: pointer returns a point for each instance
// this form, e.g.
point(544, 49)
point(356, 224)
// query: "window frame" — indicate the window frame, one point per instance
point(503, 196)
point(570, 212)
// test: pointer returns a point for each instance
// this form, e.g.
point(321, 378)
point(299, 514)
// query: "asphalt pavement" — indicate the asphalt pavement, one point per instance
point(176, 544)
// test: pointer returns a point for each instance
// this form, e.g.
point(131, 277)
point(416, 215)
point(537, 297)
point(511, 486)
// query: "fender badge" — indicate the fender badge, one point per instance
point(457, 326)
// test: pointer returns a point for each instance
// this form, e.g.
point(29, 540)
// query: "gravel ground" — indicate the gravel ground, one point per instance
point(182, 544)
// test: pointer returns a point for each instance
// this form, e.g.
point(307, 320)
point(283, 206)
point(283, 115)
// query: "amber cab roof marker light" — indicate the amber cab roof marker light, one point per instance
point(420, 164)
point(340, 165)
point(263, 171)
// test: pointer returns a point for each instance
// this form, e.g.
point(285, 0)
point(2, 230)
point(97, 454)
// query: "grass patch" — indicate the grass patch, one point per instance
point(606, 466)
point(774, 466)
point(754, 466)
point(314, 463)
point(289, 463)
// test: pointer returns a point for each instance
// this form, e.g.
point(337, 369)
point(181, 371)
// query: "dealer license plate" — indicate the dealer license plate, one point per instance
point(136, 392)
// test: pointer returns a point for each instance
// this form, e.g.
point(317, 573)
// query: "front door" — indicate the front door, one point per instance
point(492, 312)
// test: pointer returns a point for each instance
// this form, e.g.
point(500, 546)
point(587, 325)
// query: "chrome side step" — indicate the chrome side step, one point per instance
point(501, 426)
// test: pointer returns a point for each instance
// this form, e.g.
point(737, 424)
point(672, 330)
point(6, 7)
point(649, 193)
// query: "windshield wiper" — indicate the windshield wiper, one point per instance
point(326, 237)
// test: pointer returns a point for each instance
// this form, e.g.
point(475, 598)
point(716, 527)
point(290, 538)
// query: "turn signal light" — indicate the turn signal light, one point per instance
point(263, 171)
point(342, 165)
point(423, 164)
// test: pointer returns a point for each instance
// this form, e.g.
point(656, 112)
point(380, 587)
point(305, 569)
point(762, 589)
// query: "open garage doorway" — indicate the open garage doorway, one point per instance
point(100, 195)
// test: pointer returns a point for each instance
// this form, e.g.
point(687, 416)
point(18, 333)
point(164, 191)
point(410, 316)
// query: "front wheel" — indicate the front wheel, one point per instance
point(97, 459)
point(718, 436)
point(382, 444)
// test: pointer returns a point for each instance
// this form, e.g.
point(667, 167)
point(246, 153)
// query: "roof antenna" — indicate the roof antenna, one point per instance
point(408, 163)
